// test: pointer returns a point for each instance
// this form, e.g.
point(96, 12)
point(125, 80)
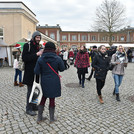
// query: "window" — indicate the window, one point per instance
point(122, 38)
point(84, 37)
point(103, 38)
point(113, 38)
point(73, 37)
point(52, 35)
point(93, 38)
point(1, 33)
point(64, 37)
point(29, 35)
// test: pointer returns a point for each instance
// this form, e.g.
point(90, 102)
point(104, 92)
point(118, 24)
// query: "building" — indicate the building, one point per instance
point(75, 39)
point(17, 22)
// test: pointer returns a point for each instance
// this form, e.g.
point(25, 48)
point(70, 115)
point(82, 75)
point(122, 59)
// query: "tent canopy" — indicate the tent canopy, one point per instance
point(3, 51)
point(2, 43)
point(89, 45)
point(124, 45)
point(22, 41)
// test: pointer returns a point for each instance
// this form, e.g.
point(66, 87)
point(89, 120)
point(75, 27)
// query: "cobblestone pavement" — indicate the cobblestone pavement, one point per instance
point(78, 110)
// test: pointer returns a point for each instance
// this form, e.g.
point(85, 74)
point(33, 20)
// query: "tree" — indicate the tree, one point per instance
point(110, 17)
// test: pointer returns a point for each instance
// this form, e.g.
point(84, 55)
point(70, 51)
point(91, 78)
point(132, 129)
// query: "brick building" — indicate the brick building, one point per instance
point(74, 39)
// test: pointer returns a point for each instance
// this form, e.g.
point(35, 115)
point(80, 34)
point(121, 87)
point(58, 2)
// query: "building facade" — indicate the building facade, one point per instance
point(75, 39)
point(17, 22)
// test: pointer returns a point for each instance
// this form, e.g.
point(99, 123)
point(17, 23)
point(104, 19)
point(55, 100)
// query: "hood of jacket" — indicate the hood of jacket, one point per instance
point(49, 57)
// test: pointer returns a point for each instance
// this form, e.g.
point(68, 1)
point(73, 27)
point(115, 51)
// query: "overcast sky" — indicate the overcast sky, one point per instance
point(72, 14)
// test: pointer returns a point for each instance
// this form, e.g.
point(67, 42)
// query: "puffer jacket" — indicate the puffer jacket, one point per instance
point(101, 66)
point(118, 68)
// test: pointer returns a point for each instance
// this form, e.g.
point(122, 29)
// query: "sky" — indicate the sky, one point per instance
point(72, 15)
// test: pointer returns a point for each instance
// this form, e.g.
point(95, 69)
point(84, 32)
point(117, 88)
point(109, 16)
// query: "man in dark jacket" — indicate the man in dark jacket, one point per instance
point(92, 54)
point(129, 55)
point(30, 55)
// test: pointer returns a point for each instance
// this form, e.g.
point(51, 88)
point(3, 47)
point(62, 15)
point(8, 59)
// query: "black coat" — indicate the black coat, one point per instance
point(50, 81)
point(30, 59)
point(101, 65)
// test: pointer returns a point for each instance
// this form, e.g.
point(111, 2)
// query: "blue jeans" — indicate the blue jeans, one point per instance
point(18, 72)
point(117, 81)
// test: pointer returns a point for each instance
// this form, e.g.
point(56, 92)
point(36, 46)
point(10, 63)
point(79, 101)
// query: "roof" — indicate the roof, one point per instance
point(16, 2)
point(2, 43)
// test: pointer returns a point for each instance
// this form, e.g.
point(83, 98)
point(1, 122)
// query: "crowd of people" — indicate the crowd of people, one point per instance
point(46, 63)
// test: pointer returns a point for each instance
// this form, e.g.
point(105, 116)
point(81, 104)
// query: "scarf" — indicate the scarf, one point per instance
point(120, 56)
point(36, 45)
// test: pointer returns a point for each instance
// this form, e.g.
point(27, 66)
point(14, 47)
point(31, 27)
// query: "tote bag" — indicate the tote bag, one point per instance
point(36, 93)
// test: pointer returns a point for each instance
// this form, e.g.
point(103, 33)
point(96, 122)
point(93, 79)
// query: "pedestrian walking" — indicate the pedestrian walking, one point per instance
point(119, 60)
point(129, 55)
point(92, 54)
point(71, 57)
point(82, 64)
point(30, 55)
point(18, 72)
point(65, 58)
point(101, 65)
point(48, 66)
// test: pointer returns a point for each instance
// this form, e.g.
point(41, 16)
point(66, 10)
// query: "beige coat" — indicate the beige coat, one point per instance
point(118, 68)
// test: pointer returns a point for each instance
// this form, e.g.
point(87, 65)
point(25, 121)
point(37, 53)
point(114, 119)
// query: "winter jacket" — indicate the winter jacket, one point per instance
point(50, 81)
point(71, 54)
point(82, 60)
point(118, 68)
point(101, 65)
point(30, 59)
point(65, 55)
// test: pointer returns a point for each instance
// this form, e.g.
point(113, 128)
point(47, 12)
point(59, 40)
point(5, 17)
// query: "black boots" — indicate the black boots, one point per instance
point(117, 97)
point(79, 82)
point(30, 112)
point(51, 114)
point(40, 114)
point(114, 92)
point(83, 83)
point(88, 78)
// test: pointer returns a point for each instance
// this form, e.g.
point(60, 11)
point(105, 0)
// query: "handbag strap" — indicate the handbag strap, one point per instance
point(53, 70)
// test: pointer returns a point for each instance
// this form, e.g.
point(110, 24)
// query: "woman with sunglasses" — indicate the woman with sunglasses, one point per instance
point(119, 60)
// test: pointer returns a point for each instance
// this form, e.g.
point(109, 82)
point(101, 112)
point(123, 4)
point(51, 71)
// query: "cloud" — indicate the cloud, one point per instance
point(71, 14)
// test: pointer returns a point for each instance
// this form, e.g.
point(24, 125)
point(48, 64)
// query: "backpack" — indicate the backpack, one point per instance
point(21, 64)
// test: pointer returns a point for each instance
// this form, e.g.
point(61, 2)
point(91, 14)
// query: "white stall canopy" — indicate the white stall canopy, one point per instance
point(89, 45)
point(124, 45)
point(3, 49)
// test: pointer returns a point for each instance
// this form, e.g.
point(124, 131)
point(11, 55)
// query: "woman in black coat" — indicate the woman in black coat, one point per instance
point(48, 66)
point(101, 65)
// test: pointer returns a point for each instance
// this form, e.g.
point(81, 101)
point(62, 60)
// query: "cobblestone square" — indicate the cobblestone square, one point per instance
point(78, 110)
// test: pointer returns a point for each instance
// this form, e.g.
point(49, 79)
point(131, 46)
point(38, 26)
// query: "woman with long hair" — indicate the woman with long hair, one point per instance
point(119, 60)
point(101, 66)
point(82, 64)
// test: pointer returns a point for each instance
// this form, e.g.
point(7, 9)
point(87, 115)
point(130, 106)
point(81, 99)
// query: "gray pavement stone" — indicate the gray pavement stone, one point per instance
point(78, 110)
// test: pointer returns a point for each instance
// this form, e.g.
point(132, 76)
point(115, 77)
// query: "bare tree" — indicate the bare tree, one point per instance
point(110, 17)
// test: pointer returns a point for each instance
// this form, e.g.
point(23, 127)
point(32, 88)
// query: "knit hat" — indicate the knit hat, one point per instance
point(50, 45)
point(36, 33)
point(17, 46)
point(94, 47)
